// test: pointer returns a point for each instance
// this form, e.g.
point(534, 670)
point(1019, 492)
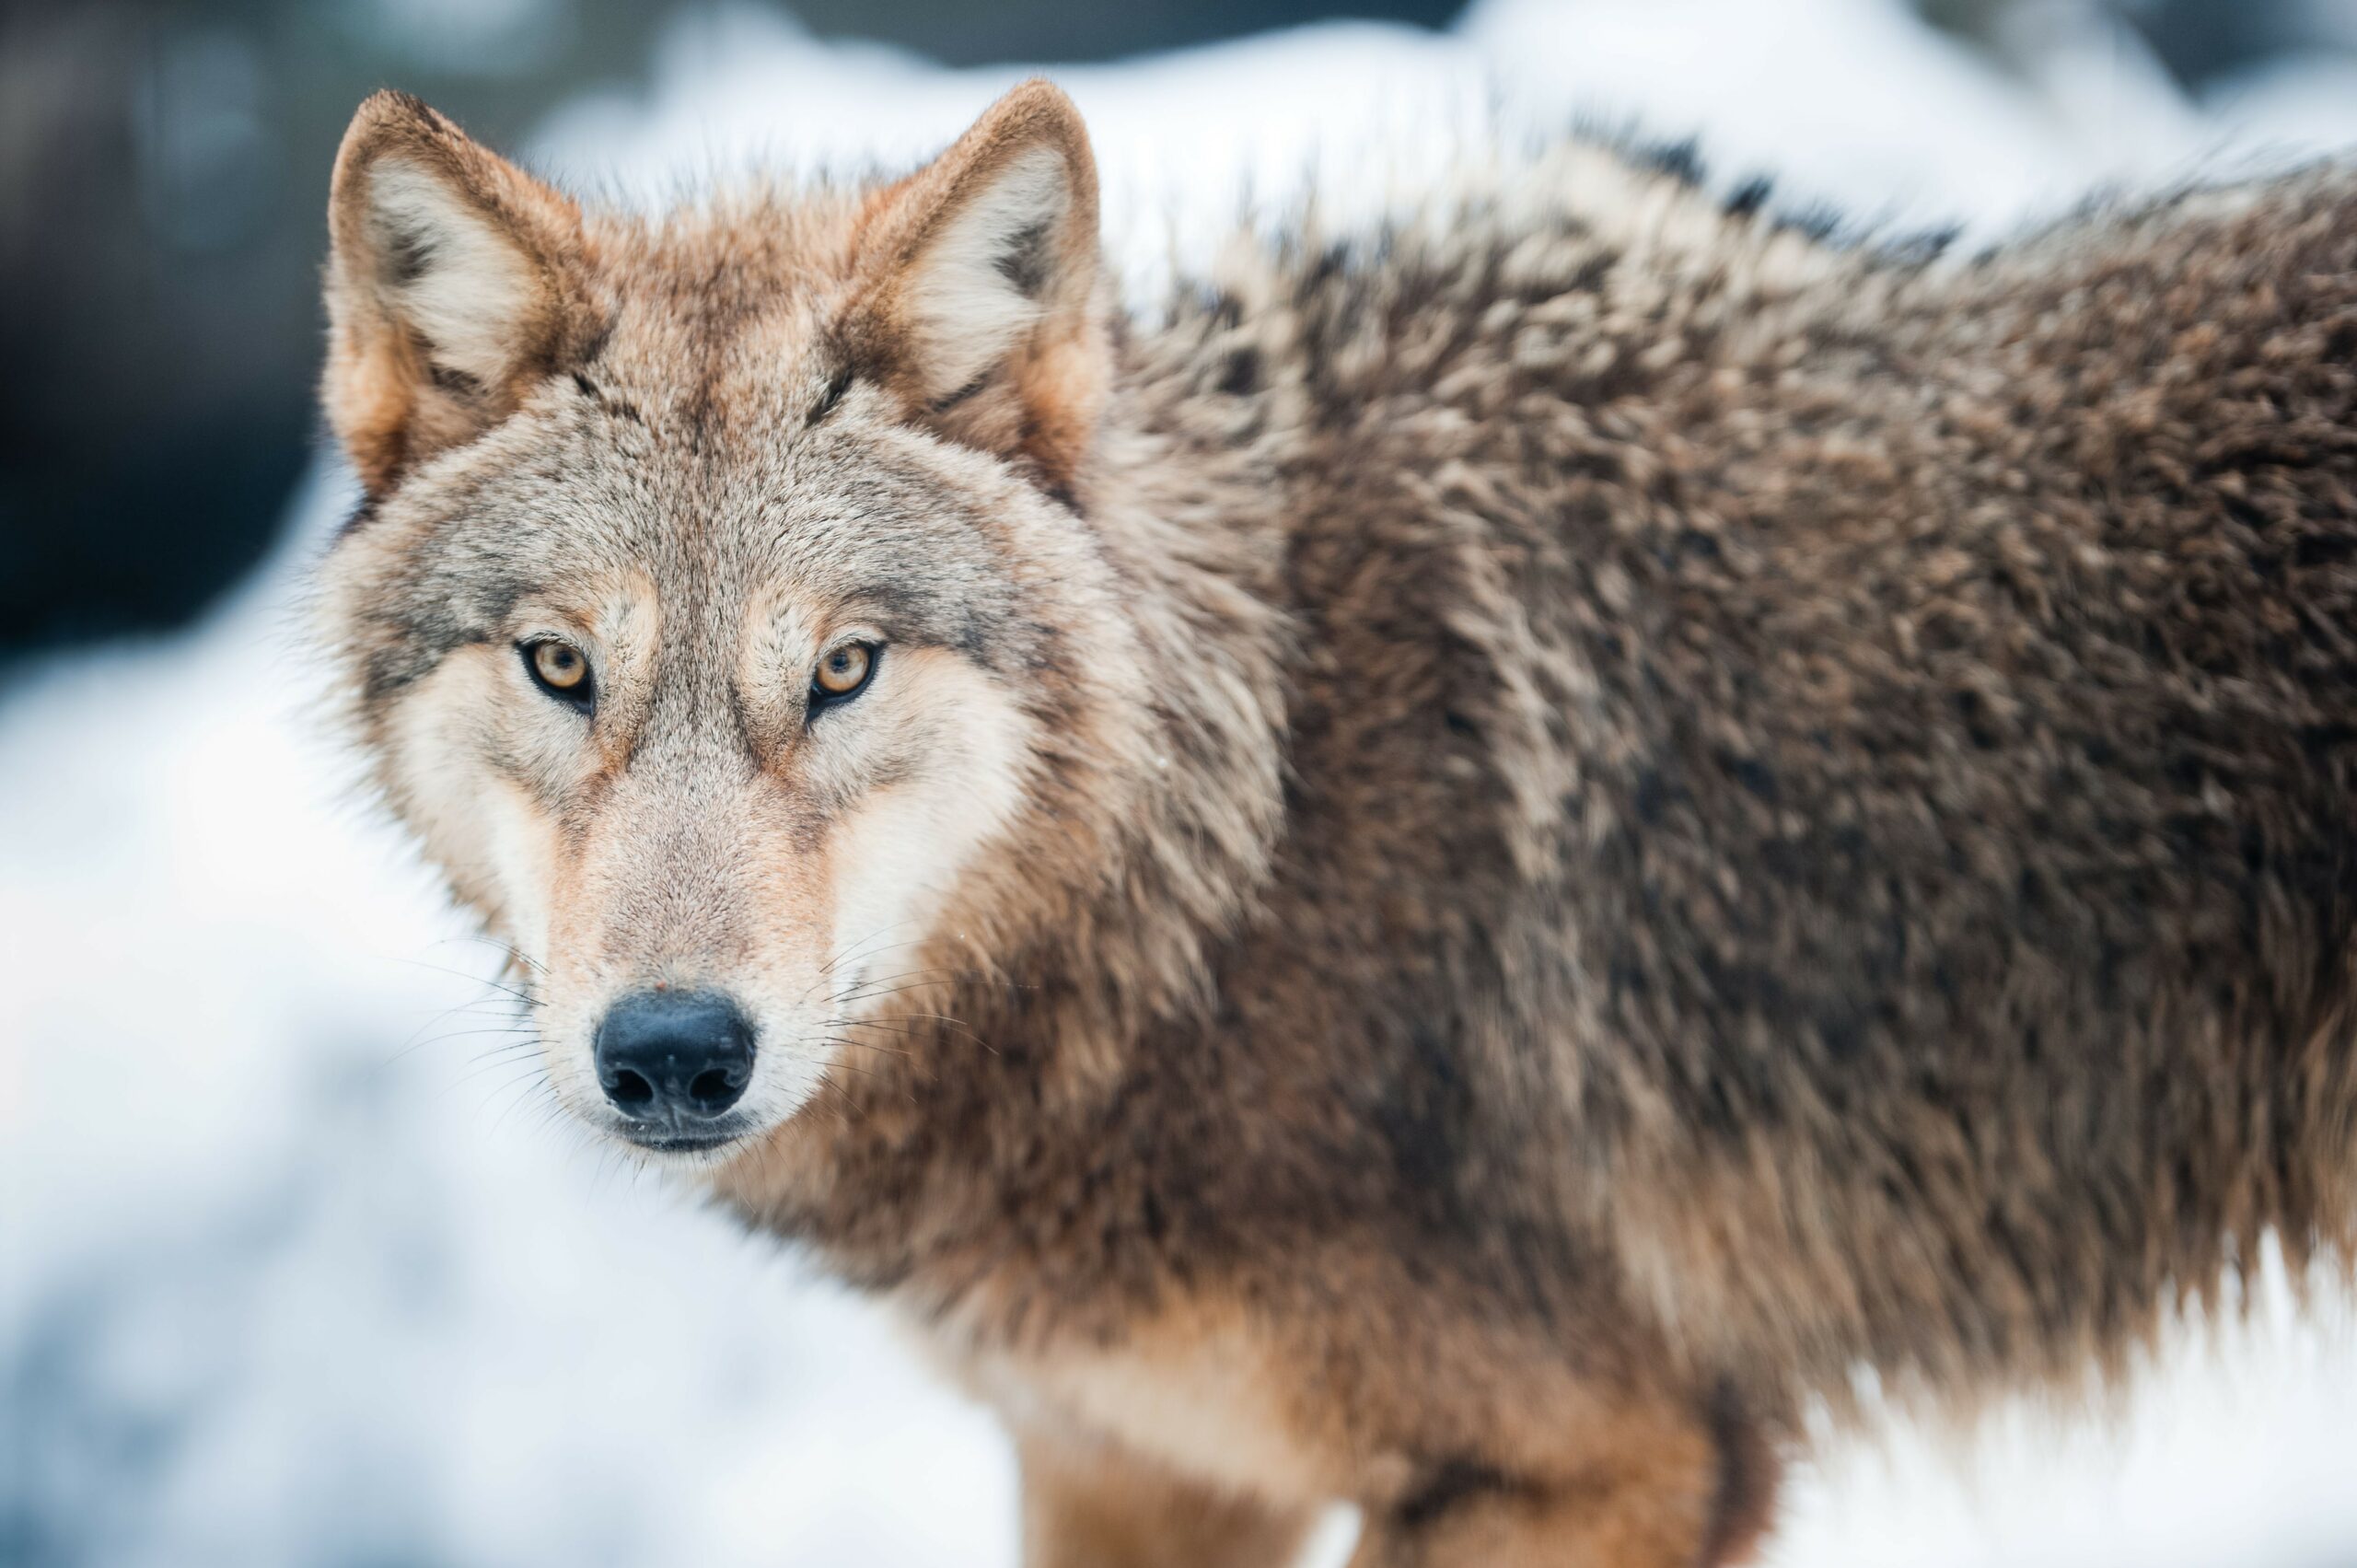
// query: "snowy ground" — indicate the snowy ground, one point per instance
point(296, 1268)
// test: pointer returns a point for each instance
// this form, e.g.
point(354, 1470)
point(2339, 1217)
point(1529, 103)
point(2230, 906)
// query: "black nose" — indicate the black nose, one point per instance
point(676, 1058)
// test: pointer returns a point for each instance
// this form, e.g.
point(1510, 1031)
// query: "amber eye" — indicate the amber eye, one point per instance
point(559, 670)
point(843, 672)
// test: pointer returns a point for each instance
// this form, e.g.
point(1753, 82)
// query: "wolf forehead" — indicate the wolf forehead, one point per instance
point(574, 497)
point(719, 319)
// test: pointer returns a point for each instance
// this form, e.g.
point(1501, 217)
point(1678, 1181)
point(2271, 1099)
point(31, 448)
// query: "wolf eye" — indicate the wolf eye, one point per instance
point(843, 673)
point(559, 669)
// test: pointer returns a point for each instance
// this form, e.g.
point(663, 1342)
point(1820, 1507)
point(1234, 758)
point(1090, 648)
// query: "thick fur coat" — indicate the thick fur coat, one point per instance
point(1475, 863)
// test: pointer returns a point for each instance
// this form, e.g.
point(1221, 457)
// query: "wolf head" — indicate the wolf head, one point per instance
point(723, 616)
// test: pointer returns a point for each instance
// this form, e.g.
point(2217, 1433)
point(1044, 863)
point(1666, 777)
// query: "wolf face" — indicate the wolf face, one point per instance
point(722, 615)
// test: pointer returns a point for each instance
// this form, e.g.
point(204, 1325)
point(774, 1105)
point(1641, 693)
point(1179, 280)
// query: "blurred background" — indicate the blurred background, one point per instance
point(294, 1269)
point(161, 168)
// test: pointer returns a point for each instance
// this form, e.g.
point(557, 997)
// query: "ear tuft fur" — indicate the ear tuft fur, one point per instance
point(983, 292)
point(442, 266)
point(980, 287)
point(454, 280)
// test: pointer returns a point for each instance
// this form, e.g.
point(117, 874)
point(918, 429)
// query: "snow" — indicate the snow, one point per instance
point(296, 1267)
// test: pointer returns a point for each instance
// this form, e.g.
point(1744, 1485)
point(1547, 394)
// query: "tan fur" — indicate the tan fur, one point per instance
point(1477, 862)
point(1087, 1503)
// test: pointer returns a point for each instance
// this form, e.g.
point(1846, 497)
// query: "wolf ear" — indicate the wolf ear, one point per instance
point(979, 298)
point(455, 279)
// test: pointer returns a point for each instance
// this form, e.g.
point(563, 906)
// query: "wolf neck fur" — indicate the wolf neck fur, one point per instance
point(1160, 821)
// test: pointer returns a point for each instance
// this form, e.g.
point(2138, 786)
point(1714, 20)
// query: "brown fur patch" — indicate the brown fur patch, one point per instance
point(1088, 1503)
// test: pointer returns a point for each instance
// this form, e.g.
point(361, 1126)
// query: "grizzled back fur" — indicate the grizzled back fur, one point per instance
point(1886, 722)
point(1943, 679)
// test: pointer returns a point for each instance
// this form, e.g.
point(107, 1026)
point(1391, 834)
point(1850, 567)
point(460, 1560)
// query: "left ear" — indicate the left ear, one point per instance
point(979, 293)
point(454, 281)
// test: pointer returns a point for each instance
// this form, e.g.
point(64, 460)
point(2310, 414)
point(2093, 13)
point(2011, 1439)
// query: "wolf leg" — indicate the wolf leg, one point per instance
point(1680, 1496)
point(1566, 1532)
point(1095, 1505)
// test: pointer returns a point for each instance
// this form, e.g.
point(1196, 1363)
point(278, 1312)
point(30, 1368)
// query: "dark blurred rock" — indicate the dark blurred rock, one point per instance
point(2199, 40)
point(958, 32)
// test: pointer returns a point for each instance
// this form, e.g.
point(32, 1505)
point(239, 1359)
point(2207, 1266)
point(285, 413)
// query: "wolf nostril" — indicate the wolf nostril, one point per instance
point(674, 1058)
point(713, 1090)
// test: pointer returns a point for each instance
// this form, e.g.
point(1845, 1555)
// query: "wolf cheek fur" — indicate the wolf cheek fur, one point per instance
point(1464, 871)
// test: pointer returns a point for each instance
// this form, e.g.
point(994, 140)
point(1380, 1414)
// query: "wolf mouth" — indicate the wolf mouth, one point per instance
point(662, 1141)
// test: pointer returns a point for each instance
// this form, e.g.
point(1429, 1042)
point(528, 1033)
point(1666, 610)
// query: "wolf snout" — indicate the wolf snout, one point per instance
point(673, 1063)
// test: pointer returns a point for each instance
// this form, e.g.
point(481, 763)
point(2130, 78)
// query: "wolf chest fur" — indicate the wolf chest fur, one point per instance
point(1453, 873)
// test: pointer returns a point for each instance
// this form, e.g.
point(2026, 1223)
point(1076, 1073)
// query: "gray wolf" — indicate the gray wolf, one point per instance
point(1455, 874)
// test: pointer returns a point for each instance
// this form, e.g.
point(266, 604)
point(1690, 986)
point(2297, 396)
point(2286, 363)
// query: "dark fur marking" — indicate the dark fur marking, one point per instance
point(1420, 1120)
point(593, 347)
point(1682, 160)
point(1750, 198)
point(408, 254)
point(971, 388)
point(621, 408)
point(1332, 262)
point(361, 517)
point(457, 383)
point(1929, 246)
point(1025, 263)
point(925, 620)
point(1450, 1485)
point(1654, 794)
point(1754, 775)
point(1241, 374)
point(1819, 222)
point(837, 385)
point(1748, 1474)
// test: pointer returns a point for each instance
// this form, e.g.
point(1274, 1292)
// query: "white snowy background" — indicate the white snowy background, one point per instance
point(295, 1267)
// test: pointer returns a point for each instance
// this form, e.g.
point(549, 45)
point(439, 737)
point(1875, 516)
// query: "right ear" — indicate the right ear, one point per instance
point(456, 279)
point(982, 298)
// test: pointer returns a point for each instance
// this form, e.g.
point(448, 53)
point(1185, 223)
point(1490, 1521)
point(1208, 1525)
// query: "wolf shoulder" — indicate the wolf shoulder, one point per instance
point(1904, 611)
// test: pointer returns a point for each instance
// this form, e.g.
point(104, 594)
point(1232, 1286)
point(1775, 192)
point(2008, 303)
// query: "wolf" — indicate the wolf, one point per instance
point(1463, 874)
